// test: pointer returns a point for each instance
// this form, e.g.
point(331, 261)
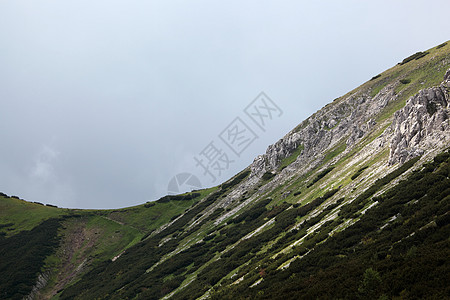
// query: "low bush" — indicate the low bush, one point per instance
point(320, 175)
point(168, 198)
point(405, 81)
point(267, 176)
point(441, 45)
point(416, 56)
point(375, 77)
point(354, 176)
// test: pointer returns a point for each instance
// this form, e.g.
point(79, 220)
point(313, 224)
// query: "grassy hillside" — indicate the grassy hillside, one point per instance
point(77, 239)
point(17, 215)
point(378, 246)
point(400, 249)
point(414, 73)
point(22, 257)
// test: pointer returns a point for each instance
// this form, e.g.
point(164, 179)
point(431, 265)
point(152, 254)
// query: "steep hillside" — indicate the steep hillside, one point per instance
point(352, 203)
point(45, 248)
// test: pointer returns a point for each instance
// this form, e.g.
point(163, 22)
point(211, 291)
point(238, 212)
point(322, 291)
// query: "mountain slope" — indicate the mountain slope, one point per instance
point(76, 240)
point(352, 203)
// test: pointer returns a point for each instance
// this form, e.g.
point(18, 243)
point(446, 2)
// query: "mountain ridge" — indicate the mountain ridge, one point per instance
point(323, 179)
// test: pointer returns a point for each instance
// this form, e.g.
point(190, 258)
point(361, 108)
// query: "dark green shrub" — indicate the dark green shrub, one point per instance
point(267, 176)
point(22, 257)
point(320, 175)
point(431, 108)
point(375, 77)
point(168, 198)
point(405, 81)
point(241, 176)
point(441, 45)
point(149, 204)
point(354, 176)
point(417, 55)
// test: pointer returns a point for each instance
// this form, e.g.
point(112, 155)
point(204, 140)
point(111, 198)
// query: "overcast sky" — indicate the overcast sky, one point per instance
point(103, 102)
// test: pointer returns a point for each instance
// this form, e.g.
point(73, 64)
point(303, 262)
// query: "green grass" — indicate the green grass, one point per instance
point(291, 158)
point(335, 151)
point(24, 215)
point(424, 72)
point(149, 218)
point(419, 76)
point(106, 233)
point(411, 77)
point(378, 87)
point(390, 109)
point(112, 237)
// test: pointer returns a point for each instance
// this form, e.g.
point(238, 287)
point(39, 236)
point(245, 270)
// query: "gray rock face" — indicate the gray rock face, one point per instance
point(40, 284)
point(422, 124)
point(345, 121)
point(447, 75)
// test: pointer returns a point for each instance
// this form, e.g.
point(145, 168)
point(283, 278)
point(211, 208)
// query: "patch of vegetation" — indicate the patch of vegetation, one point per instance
point(236, 180)
point(350, 209)
point(291, 158)
point(423, 73)
point(181, 197)
point(24, 215)
point(22, 257)
point(415, 56)
point(375, 77)
point(320, 176)
point(113, 237)
point(441, 45)
point(338, 149)
point(377, 88)
point(305, 209)
point(268, 175)
point(354, 176)
point(407, 259)
point(154, 214)
point(405, 81)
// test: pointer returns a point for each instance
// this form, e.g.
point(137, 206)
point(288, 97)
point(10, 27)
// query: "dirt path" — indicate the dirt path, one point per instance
point(74, 255)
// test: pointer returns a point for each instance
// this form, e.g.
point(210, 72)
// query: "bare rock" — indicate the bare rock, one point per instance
point(422, 124)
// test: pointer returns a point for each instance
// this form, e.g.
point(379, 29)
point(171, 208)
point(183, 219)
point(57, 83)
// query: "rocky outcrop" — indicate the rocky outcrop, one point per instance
point(422, 124)
point(346, 120)
point(40, 284)
point(419, 127)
